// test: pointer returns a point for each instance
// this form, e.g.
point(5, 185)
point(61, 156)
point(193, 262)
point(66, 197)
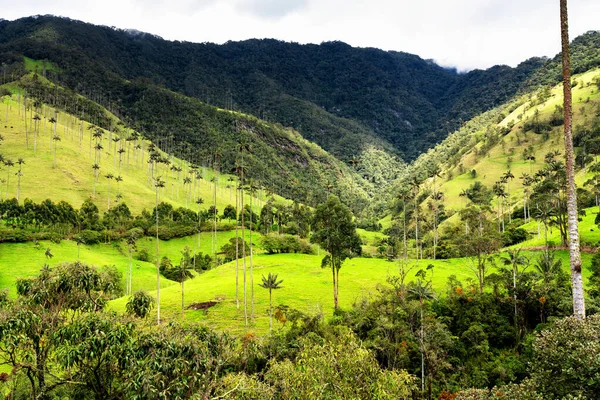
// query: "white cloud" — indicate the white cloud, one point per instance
point(462, 33)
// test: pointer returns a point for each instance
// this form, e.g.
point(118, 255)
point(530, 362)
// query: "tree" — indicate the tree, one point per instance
point(53, 121)
point(96, 168)
point(158, 183)
point(335, 231)
point(140, 304)
point(110, 177)
point(183, 272)
point(131, 239)
point(271, 283)
point(421, 290)
point(514, 259)
point(19, 174)
point(9, 163)
point(36, 118)
point(574, 253)
point(436, 172)
point(31, 326)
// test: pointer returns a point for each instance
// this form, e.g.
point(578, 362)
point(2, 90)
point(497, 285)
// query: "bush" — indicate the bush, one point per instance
point(567, 359)
point(140, 304)
point(143, 255)
point(274, 243)
point(89, 237)
point(514, 236)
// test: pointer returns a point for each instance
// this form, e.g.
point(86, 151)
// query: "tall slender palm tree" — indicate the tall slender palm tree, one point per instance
point(158, 183)
point(243, 146)
point(422, 291)
point(184, 267)
point(514, 259)
point(110, 177)
point(271, 283)
point(574, 253)
point(118, 179)
point(436, 172)
point(252, 190)
point(199, 201)
point(36, 119)
point(96, 168)
point(19, 174)
point(415, 183)
point(9, 163)
point(131, 240)
point(507, 177)
point(53, 121)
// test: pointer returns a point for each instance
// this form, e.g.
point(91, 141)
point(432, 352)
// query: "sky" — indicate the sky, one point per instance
point(465, 34)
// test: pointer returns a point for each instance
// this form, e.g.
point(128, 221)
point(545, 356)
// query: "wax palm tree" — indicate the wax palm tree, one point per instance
point(96, 169)
point(118, 179)
point(199, 201)
point(507, 177)
point(110, 177)
point(500, 193)
point(158, 183)
point(415, 184)
point(36, 119)
point(131, 240)
point(271, 283)
point(184, 271)
point(514, 259)
point(9, 163)
point(574, 252)
point(252, 191)
point(421, 291)
point(436, 172)
point(53, 121)
point(19, 174)
point(243, 147)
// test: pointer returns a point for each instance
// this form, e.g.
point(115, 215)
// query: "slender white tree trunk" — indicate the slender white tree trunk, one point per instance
point(575, 256)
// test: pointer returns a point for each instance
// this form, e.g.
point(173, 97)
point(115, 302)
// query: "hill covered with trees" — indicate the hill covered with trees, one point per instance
point(335, 95)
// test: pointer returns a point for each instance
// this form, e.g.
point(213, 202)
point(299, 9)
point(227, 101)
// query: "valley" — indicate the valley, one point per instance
point(163, 203)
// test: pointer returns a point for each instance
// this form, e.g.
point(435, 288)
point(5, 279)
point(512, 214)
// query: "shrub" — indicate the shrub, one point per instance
point(89, 237)
point(140, 304)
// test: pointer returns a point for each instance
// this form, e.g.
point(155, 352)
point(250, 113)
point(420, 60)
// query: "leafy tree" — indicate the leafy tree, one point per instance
point(140, 304)
point(30, 326)
point(335, 231)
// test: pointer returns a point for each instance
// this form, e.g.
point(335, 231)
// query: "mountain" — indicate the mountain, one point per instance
point(345, 99)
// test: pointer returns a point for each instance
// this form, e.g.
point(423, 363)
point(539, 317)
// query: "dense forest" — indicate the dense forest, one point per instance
point(330, 93)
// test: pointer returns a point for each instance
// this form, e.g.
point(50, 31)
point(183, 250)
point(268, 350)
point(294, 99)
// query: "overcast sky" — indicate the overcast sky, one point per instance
point(465, 34)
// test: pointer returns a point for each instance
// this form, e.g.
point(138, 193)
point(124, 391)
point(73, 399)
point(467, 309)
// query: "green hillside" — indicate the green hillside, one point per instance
point(333, 94)
point(502, 139)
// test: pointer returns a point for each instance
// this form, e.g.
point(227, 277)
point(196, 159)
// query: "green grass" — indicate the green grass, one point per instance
point(73, 179)
point(491, 166)
point(38, 65)
point(306, 287)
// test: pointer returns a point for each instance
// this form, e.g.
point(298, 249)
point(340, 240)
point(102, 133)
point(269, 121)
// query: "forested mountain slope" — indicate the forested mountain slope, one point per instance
point(61, 136)
point(335, 95)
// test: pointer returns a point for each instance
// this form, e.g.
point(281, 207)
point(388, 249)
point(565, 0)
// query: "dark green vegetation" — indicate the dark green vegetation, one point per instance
point(337, 96)
point(465, 288)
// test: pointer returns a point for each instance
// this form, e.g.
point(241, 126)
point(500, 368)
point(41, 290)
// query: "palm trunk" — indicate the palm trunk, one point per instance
point(270, 310)
point(157, 264)
point(237, 251)
point(244, 252)
point(574, 254)
point(251, 267)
